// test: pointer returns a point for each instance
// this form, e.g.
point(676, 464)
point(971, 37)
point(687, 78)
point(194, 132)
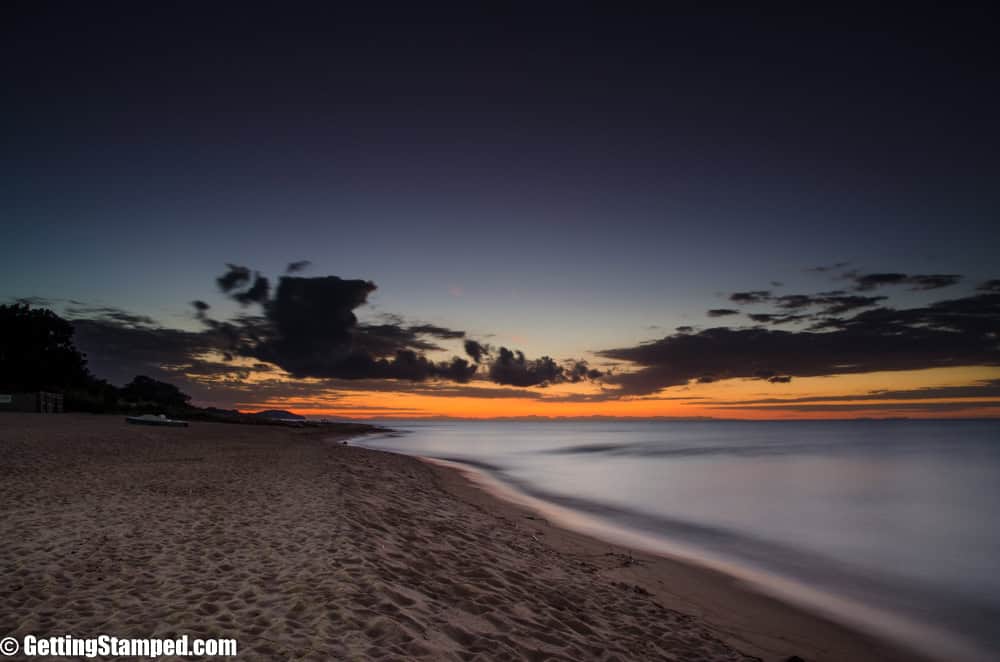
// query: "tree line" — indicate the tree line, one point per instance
point(37, 354)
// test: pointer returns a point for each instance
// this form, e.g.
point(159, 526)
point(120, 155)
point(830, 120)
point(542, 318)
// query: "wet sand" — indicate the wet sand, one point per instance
point(301, 547)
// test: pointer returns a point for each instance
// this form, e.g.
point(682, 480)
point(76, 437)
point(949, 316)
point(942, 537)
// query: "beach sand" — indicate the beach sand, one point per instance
point(301, 547)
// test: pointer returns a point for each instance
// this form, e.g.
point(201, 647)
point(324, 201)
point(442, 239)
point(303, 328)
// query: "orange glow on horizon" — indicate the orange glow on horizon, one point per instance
point(840, 397)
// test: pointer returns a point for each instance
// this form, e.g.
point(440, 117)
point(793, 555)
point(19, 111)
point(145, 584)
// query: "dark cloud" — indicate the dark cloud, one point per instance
point(684, 329)
point(308, 327)
point(865, 282)
point(837, 266)
point(386, 339)
point(826, 303)
point(119, 351)
point(957, 332)
point(871, 281)
point(38, 302)
point(107, 314)
point(769, 318)
point(296, 267)
point(722, 312)
point(933, 281)
point(200, 308)
point(404, 365)
point(838, 303)
point(579, 371)
point(511, 367)
point(256, 293)
point(235, 276)
point(476, 350)
point(990, 286)
point(755, 296)
point(437, 331)
point(793, 301)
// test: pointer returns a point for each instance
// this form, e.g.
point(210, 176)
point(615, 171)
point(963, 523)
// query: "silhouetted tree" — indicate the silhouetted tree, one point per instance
point(37, 351)
point(147, 389)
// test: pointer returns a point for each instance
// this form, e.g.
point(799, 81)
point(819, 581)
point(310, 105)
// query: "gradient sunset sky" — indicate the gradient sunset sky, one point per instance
point(619, 191)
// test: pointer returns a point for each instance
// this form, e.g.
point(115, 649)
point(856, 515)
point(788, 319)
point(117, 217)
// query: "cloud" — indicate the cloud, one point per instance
point(769, 318)
point(118, 351)
point(511, 367)
point(256, 293)
point(437, 331)
point(990, 286)
point(722, 312)
point(837, 266)
point(580, 371)
point(296, 267)
point(956, 332)
point(308, 327)
point(235, 276)
point(476, 350)
point(793, 301)
point(384, 339)
point(107, 314)
point(38, 302)
point(934, 281)
point(755, 296)
point(836, 302)
point(866, 282)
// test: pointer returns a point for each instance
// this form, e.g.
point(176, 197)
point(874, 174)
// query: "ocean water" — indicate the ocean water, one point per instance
point(893, 526)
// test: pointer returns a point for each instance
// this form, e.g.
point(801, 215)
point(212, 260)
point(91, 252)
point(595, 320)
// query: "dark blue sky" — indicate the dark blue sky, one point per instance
point(559, 178)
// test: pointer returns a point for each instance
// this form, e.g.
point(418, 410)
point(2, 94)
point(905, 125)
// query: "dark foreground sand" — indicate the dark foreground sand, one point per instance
point(302, 548)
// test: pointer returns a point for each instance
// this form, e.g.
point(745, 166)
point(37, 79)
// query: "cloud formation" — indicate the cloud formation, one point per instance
point(476, 350)
point(296, 267)
point(867, 282)
point(755, 296)
point(235, 276)
point(955, 332)
point(309, 328)
point(990, 286)
point(512, 368)
point(824, 268)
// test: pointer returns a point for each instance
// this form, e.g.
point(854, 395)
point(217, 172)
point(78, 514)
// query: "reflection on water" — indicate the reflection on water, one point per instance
point(896, 515)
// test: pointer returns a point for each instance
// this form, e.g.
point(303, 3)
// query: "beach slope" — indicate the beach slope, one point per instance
point(301, 547)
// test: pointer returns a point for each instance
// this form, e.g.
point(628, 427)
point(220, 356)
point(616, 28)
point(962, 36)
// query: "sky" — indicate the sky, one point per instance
point(564, 182)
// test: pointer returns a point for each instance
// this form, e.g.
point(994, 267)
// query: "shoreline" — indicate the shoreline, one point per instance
point(302, 547)
point(739, 612)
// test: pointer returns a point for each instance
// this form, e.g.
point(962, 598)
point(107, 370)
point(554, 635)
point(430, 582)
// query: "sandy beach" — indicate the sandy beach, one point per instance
point(302, 547)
